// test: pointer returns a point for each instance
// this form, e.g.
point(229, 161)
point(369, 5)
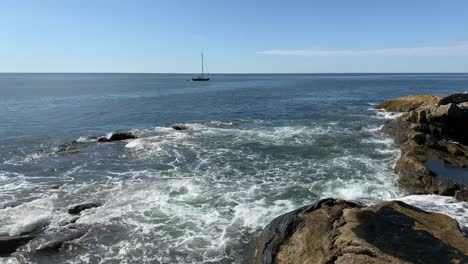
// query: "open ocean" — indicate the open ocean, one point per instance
point(258, 146)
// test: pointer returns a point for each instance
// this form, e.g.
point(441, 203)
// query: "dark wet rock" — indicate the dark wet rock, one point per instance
point(180, 127)
point(69, 221)
point(336, 231)
point(454, 99)
point(432, 130)
point(448, 122)
point(419, 138)
point(76, 209)
point(10, 244)
point(117, 136)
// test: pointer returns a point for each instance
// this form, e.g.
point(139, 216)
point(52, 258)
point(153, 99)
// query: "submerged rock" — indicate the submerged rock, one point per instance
point(76, 209)
point(52, 245)
point(117, 136)
point(336, 231)
point(53, 240)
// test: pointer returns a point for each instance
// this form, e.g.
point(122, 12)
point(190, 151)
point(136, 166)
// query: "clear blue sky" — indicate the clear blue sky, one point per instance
point(236, 36)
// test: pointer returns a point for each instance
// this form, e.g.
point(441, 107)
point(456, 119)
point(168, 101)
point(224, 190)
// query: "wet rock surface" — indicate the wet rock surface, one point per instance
point(53, 240)
point(9, 244)
point(433, 134)
point(76, 209)
point(337, 231)
point(50, 246)
point(117, 136)
point(454, 99)
point(180, 127)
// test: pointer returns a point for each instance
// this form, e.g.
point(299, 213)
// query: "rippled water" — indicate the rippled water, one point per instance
point(258, 146)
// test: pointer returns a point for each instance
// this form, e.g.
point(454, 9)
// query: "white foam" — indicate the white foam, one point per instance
point(26, 217)
point(85, 140)
point(384, 114)
point(379, 140)
point(440, 204)
point(25, 159)
point(13, 185)
point(373, 129)
point(109, 135)
point(257, 214)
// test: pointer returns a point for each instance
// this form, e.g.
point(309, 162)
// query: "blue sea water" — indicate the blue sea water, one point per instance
point(258, 146)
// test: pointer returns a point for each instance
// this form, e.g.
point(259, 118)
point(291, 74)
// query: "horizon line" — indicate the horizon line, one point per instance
point(431, 72)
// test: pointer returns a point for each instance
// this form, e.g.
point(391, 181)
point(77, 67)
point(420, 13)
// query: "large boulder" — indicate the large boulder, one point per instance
point(275, 234)
point(408, 103)
point(336, 231)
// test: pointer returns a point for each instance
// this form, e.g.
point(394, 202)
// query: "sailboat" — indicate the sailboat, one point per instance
point(202, 77)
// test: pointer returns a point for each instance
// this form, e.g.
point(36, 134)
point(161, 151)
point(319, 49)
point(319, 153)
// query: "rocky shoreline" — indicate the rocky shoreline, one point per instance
point(433, 134)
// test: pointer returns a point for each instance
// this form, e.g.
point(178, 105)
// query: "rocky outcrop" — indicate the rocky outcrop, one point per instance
point(408, 103)
point(436, 128)
point(117, 136)
point(341, 232)
point(76, 209)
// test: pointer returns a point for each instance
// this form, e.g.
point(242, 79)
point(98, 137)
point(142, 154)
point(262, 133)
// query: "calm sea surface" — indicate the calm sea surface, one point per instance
point(258, 146)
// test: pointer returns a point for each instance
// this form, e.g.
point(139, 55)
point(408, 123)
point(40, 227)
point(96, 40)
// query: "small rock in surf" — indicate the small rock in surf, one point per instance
point(117, 136)
point(76, 209)
point(180, 127)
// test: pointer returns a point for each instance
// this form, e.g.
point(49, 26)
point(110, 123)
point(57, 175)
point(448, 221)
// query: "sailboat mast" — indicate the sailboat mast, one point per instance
point(202, 72)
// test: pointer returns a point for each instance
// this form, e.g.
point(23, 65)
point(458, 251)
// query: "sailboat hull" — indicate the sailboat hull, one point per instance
point(200, 79)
